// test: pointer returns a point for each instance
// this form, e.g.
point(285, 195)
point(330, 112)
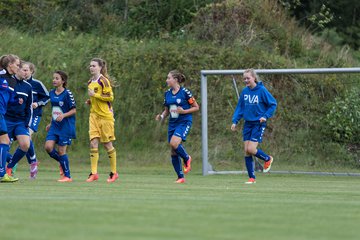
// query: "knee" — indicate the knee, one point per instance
point(251, 151)
point(48, 148)
point(174, 145)
point(94, 144)
point(108, 146)
point(25, 146)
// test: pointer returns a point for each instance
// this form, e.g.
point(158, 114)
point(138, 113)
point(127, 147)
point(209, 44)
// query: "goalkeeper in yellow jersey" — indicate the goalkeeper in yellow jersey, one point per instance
point(101, 120)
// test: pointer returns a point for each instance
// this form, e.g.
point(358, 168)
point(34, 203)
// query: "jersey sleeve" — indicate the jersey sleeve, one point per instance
point(165, 104)
point(43, 94)
point(239, 111)
point(28, 107)
point(106, 94)
point(270, 102)
point(70, 100)
point(189, 96)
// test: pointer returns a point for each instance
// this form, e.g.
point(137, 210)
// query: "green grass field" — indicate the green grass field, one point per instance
point(146, 204)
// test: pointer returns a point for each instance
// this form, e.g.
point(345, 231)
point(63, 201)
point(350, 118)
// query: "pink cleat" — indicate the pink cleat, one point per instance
point(33, 170)
point(180, 180)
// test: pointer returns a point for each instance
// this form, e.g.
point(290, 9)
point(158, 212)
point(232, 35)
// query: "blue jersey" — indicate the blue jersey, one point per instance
point(6, 93)
point(21, 112)
point(62, 103)
point(40, 95)
point(183, 98)
point(254, 104)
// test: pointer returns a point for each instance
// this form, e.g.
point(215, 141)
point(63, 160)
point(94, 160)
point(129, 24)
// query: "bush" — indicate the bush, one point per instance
point(342, 123)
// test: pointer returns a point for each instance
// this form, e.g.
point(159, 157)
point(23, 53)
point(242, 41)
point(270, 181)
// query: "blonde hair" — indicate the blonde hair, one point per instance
point(253, 74)
point(31, 67)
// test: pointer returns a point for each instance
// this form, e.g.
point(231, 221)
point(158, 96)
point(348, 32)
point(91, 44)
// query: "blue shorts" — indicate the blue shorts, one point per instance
point(180, 130)
point(34, 125)
point(16, 129)
point(253, 131)
point(3, 128)
point(59, 140)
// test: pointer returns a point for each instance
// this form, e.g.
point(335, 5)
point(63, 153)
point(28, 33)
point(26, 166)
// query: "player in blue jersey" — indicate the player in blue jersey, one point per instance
point(10, 65)
point(179, 104)
point(61, 130)
point(18, 118)
point(256, 105)
point(40, 99)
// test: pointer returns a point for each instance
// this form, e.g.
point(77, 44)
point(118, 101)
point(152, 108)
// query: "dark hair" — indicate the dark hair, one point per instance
point(178, 76)
point(63, 76)
point(5, 60)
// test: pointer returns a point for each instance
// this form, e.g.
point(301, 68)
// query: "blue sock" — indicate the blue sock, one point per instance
point(4, 148)
point(260, 154)
point(30, 155)
point(64, 162)
point(182, 152)
point(55, 155)
point(18, 155)
point(176, 162)
point(8, 156)
point(250, 165)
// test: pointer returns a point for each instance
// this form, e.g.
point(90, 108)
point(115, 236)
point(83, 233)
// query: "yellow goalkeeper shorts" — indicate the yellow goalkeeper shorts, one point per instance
point(101, 128)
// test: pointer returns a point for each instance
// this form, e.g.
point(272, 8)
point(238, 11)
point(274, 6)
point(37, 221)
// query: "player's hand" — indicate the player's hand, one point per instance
point(180, 110)
point(262, 119)
point(233, 127)
point(91, 92)
point(88, 102)
point(21, 101)
point(60, 118)
point(159, 117)
point(48, 127)
point(35, 105)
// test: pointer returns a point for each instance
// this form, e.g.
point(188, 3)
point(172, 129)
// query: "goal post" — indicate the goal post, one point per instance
point(206, 166)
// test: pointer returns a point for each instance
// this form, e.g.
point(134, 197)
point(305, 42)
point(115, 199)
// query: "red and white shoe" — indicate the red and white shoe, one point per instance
point(251, 181)
point(92, 177)
point(187, 167)
point(267, 165)
point(112, 177)
point(180, 180)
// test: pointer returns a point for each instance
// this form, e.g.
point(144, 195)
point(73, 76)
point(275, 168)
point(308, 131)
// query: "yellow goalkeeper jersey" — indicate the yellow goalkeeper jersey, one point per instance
point(104, 96)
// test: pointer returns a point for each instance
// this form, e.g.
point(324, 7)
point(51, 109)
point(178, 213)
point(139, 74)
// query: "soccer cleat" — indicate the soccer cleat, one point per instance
point(180, 180)
point(92, 177)
point(267, 165)
point(250, 181)
point(65, 179)
point(8, 178)
point(9, 171)
point(33, 170)
point(61, 171)
point(112, 177)
point(187, 167)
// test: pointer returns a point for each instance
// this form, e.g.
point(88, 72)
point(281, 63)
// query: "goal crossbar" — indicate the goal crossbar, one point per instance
point(206, 167)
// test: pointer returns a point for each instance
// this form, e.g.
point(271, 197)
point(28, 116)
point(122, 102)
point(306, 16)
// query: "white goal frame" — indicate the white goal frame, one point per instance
point(206, 166)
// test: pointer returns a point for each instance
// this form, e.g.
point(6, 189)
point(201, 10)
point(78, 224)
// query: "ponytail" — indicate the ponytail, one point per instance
point(178, 76)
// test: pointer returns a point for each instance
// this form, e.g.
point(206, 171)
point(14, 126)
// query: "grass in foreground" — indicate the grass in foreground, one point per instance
point(146, 204)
